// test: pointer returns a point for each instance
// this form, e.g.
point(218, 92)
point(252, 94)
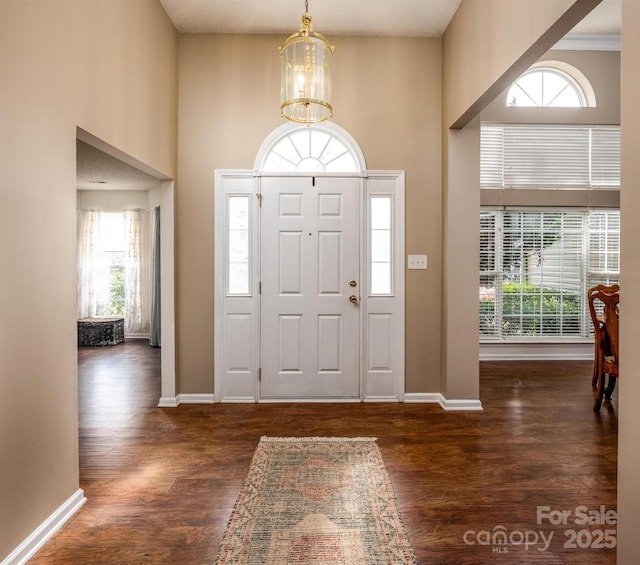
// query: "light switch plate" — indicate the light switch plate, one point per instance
point(417, 262)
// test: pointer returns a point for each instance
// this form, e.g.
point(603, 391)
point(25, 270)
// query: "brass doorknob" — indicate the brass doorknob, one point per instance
point(353, 284)
point(353, 299)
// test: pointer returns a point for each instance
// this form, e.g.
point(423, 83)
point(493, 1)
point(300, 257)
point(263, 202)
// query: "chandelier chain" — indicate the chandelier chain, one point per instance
point(306, 6)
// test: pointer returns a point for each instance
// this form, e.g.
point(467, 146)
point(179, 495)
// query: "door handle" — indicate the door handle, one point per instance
point(353, 299)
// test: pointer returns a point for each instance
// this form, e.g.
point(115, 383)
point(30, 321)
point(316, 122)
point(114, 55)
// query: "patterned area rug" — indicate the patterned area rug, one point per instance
point(323, 501)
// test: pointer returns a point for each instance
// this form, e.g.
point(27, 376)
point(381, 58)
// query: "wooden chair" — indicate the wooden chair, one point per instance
point(611, 289)
point(604, 304)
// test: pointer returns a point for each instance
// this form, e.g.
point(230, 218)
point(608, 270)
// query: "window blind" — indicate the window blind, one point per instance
point(605, 157)
point(603, 263)
point(490, 274)
point(549, 156)
point(536, 267)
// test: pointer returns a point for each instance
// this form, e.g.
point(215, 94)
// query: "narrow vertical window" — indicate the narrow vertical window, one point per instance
point(603, 265)
point(110, 287)
point(380, 237)
point(490, 278)
point(238, 247)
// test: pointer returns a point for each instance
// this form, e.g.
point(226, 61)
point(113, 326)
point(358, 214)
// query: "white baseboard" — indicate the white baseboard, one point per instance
point(294, 400)
point(446, 404)
point(168, 402)
point(423, 397)
point(461, 405)
point(175, 401)
point(431, 398)
point(534, 357)
point(30, 546)
point(195, 399)
point(582, 351)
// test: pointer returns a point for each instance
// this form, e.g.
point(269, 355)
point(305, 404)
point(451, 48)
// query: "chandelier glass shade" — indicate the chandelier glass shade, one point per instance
point(306, 58)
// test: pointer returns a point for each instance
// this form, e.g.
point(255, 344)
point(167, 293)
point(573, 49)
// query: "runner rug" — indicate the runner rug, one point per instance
point(322, 501)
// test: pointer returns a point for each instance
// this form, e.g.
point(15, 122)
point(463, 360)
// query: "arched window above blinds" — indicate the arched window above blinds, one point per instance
point(551, 84)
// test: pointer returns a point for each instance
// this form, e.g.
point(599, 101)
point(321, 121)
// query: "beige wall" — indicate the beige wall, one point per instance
point(490, 42)
point(114, 200)
point(629, 415)
point(487, 45)
point(601, 68)
point(110, 67)
point(386, 95)
point(460, 375)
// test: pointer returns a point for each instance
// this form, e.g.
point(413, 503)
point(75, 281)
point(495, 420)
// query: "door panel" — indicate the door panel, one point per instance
point(310, 331)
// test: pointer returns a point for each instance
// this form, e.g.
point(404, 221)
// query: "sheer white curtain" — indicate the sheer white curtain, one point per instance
point(88, 261)
point(154, 330)
point(137, 272)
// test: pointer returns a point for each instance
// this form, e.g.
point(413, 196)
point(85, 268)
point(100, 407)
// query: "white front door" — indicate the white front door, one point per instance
point(310, 275)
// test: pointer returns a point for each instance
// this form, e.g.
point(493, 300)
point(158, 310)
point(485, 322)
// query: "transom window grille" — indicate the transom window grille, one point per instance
point(536, 267)
point(546, 87)
point(549, 156)
point(310, 150)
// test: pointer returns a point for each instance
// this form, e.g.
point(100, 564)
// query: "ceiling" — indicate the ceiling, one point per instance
point(98, 171)
point(340, 17)
point(336, 17)
point(95, 170)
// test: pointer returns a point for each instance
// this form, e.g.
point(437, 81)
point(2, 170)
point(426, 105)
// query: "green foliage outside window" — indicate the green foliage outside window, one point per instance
point(530, 310)
point(487, 317)
point(117, 292)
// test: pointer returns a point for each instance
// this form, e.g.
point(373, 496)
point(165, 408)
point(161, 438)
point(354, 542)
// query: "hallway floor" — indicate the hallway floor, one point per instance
point(161, 483)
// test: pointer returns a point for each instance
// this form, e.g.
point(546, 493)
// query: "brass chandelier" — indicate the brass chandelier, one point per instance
point(306, 75)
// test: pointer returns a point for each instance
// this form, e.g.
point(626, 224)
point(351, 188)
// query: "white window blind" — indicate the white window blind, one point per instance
point(603, 265)
point(549, 156)
point(535, 269)
point(605, 157)
point(490, 274)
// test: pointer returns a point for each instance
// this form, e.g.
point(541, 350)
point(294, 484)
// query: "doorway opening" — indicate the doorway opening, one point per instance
point(309, 273)
point(139, 200)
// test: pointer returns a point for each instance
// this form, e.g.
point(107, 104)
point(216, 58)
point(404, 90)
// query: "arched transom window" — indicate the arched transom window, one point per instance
point(310, 150)
point(547, 86)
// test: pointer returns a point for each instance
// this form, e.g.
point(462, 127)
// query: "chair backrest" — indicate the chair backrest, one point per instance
point(604, 304)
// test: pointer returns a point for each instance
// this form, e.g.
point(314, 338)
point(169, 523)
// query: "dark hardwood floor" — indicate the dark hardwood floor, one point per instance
point(161, 483)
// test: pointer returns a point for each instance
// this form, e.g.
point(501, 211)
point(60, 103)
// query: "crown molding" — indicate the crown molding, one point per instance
point(589, 42)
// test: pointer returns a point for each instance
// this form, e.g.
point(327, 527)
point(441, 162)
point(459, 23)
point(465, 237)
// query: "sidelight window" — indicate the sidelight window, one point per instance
point(380, 208)
point(238, 245)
